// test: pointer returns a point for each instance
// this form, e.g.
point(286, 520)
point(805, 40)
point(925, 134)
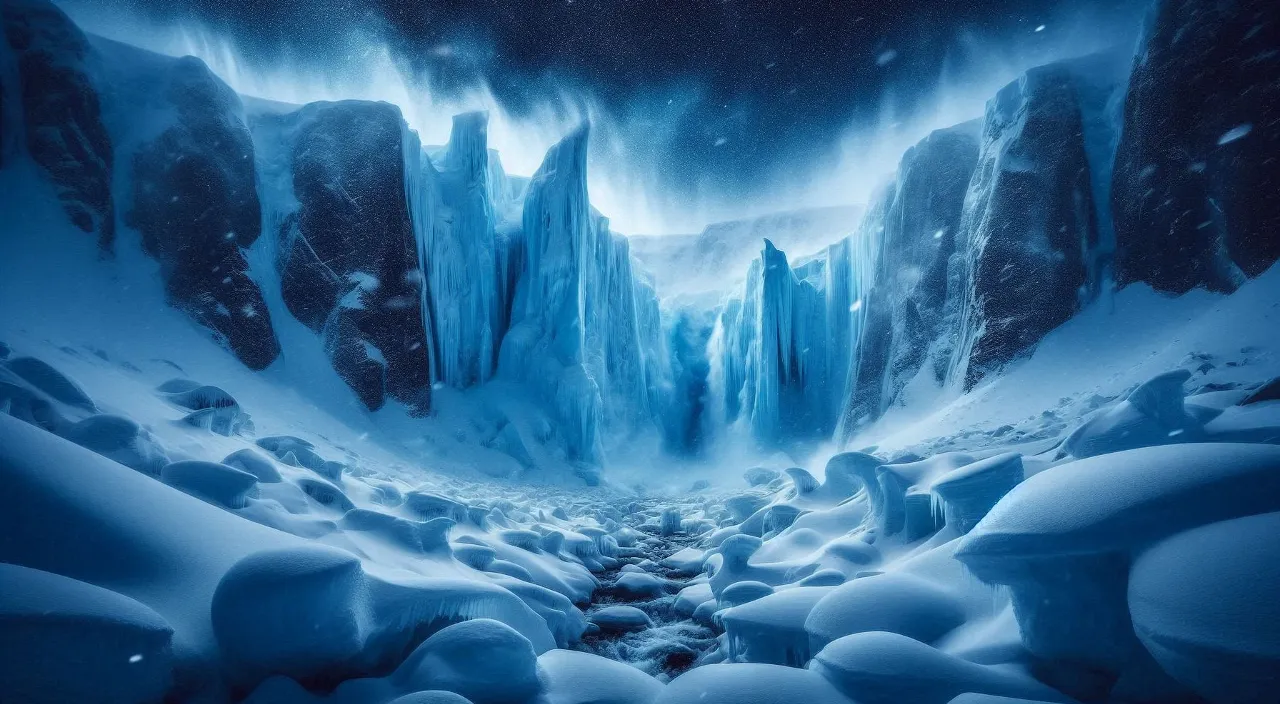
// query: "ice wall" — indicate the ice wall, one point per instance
point(581, 324)
point(774, 353)
point(460, 253)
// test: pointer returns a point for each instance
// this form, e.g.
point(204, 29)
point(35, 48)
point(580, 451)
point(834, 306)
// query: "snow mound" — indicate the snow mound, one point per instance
point(896, 603)
point(750, 684)
point(120, 439)
point(571, 677)
point(969, 492)
point(57, 385)
point(483, 660)
point(771, 629)
point(887, 668)
point(1063, 540)
point(216, 483)
point(1203, 603)
point(314, 614)
point(65, 640)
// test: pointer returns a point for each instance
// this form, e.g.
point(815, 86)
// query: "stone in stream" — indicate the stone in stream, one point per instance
point(620, 619)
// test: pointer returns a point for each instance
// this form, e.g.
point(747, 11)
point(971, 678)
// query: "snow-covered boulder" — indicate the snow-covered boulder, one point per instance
point(1063, 540)
point(120, 439)
point(886, 668)
point(1203, 603)
point(216, 483)
point(483, 660)
point(313, 613)
point(771, 629)
point(968, 493)
point(1153, 414)
point(750, 683)
point(65, 640)
point(897, 603)
point(571, 677)
point(620, 619)
point(632, 585)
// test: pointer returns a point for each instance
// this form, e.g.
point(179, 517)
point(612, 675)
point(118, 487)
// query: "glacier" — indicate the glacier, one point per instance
point(297, 408)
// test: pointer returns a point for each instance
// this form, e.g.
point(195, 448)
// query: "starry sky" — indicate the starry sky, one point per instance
point(716, 101)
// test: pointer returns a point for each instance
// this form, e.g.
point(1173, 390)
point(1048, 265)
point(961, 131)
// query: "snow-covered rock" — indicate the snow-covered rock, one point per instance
point(896, 603)
point(885, 668)
point(620, 619)
point(65, 640)
point(750, 683)
point(1063, 540)
point(1202, 604)
point(571, 677)
point(483, 660)
point(771, 629)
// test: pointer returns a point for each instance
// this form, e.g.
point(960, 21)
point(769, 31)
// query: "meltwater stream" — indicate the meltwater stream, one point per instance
point(637, 615)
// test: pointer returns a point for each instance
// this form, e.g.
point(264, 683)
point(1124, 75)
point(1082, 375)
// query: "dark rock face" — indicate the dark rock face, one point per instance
point(61, 113)
point(917, 222)
point(196, 205)
point(349, 262)
point(1196, 194)
point(1029, 222)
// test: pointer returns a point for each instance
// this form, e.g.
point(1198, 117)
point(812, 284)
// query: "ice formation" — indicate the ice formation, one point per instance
point(295, 409)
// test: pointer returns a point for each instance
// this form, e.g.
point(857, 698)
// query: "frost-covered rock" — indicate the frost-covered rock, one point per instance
point(195, 203)
point(1030, 223)
point(347, 253)
point(1195, 179)
point(61, 112)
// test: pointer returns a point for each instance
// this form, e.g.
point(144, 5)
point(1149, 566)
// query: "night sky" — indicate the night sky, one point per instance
point(721, 98)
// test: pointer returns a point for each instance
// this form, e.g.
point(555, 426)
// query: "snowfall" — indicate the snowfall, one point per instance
point(1096, 518)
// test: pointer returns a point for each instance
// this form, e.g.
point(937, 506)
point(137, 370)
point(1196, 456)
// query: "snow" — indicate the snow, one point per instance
point(1202, 604)
point(750, 684)
point(883, 668)
point(123, 650)
point(481, 659)
point(570, 677)
point(898, 603)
